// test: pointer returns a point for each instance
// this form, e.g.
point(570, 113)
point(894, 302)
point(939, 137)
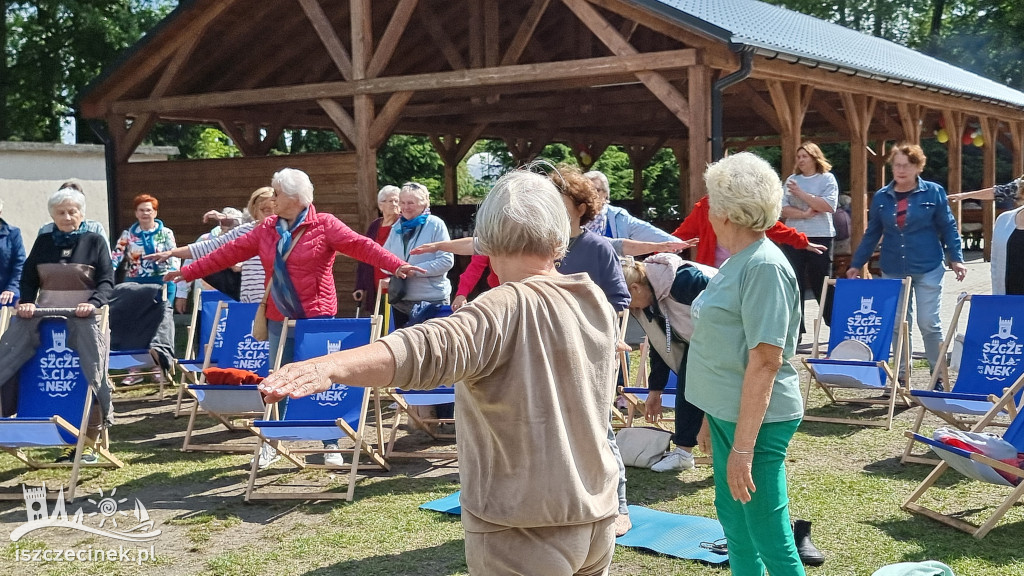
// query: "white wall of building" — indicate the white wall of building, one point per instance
point(31, 171)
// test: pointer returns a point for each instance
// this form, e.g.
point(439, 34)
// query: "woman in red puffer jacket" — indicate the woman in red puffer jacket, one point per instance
point(306, 287)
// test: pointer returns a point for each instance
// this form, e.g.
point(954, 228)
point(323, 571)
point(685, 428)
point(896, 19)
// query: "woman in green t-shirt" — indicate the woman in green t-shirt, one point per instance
point(745, 326)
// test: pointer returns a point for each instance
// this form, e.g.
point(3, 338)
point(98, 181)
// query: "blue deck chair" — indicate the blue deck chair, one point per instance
point(976, 467)
point(991, 360)
point(204, 310)
point(327, 416)
point(228, 404)
point(405, 401)
point(54, 403)
point(865, 311)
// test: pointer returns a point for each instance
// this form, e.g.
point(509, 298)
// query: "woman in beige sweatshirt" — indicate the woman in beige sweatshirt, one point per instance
point(536, 356)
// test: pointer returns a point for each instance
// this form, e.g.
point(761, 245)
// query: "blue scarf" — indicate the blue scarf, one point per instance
point(286, 298)
point(146, 236)
point(67, 239)
point(410, 226)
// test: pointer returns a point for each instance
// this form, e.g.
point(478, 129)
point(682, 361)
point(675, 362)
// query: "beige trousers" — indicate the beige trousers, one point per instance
point(582, 550)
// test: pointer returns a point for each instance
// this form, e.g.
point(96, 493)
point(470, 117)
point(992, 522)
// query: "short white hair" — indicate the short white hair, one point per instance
point(66, 195)
point(601, 181)
point(523, 214)
point(418, 190)
point(293, 183)
point(745, 190)
point(386, 191)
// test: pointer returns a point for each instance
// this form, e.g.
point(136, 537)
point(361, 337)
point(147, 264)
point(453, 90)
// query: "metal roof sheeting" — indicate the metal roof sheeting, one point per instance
point(779, 32)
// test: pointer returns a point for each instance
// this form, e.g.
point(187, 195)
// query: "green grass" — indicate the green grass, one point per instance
point(846, 480)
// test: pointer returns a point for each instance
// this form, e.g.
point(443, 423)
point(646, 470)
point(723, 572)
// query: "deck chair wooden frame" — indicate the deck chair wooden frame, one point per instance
point(404, 406)
point(190, 366)
point(243, 396)
point(46, 432)
point(963, 404)
point(976, 464)
point(149, 364)
point(899, 354)
point(265, 433)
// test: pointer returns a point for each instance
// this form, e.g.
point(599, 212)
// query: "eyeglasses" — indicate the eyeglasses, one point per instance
point(902, 166)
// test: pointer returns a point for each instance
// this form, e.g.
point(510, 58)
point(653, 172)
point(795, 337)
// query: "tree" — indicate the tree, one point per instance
point(54, 49)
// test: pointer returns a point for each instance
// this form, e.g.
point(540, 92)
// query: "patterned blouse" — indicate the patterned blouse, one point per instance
point(134, 243)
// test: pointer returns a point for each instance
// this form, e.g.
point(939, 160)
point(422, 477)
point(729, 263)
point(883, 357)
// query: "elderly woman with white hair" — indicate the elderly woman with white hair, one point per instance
point(368, 277)
point(745, 328)
point(297, 248)
point(69, 267)
point(538, 477)
point(416, 226)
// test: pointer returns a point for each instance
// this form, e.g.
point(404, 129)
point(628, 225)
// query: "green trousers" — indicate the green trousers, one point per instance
point(759, 533)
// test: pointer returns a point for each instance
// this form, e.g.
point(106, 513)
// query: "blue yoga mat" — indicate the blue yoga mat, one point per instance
point(673, 534)
point(663, 532)
point(448, 505)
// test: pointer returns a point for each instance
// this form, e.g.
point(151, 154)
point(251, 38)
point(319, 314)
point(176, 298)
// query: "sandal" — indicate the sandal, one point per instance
point(719, 546)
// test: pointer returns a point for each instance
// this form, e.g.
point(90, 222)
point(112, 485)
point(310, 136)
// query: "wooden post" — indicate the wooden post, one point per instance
point(880, 160)
point(990, 132)
point(452, 150)
point(955, 123)
point(790, 101)
point(858, 109)
point(699, 123)
point(1017, 147)
point(639, 157)
point(363, 109)
point(910, 121)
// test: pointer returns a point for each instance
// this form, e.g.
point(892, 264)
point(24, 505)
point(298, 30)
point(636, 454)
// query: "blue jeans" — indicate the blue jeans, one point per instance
point(927, 295)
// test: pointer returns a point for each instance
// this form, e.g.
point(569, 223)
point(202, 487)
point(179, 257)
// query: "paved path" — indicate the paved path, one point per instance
point(978, 281)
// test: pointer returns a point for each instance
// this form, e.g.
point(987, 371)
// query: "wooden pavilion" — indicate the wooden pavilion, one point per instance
point(689, 75)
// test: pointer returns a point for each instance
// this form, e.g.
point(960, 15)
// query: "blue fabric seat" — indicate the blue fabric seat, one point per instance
point(324, 417)
point(869, 311)
point(991, 361)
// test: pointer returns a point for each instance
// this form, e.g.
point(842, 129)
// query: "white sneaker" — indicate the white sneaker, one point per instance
point(267, 456)
point(677, 459)
point(333, 459)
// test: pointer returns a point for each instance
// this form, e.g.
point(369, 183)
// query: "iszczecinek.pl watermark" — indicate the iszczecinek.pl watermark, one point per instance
point(106, 520)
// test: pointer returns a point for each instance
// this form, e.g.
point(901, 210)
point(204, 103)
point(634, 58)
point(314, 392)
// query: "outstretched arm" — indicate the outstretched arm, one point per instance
point(461, 246)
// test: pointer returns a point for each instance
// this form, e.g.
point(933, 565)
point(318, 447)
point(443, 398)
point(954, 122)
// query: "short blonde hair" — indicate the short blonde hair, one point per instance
point(523, 214)
point(418, 190)
point(745, 190)
point(633, 272)
point(256, 197)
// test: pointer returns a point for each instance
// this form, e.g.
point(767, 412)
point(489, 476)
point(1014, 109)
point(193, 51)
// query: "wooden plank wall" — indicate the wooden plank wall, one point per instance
point(186, 189)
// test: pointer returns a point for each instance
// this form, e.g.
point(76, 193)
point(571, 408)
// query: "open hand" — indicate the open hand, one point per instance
point(6, 297)
point(406, 269)
point(158, 257)
point(174, 276)
point(296, 380)
point(816, 248)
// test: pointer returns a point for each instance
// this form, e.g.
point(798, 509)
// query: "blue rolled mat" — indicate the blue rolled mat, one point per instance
point(663, 532)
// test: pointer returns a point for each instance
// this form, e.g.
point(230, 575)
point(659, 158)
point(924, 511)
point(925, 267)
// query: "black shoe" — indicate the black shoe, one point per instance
point(939, 386)
point(809, 553)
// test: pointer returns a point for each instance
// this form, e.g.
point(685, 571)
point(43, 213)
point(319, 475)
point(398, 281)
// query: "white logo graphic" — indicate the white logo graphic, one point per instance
point(59, 368)
point(865, 324)
point(252, 354)
point(333, 347)
point(332, 396)
point(865, 306)
point(111, 522)
point(1001, 354)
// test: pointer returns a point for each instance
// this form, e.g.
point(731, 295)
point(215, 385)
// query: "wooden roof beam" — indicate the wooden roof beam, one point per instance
point(328, 37)
point(758, 104)
point(830, 114)
point(592, 69)
point(527, 26)
point(389, 40)
point(672, 98)
point(910, 120)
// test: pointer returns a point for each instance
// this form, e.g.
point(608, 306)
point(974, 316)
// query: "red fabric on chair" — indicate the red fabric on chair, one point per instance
point(231, 376)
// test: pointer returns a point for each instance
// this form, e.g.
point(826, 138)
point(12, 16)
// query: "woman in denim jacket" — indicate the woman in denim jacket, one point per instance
point(912, 218)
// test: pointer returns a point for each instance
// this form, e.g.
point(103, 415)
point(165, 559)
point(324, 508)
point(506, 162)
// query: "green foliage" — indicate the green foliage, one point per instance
point(53, 50)
point(215, 144)
point(405, 158)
